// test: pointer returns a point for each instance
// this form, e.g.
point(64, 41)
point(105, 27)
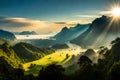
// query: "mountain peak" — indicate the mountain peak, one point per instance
point(65, 28)
point(67, 34)
point(101, 31)
point(28, 33)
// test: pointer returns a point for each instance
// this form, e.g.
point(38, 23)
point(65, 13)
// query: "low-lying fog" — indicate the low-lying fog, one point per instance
point(23, 37)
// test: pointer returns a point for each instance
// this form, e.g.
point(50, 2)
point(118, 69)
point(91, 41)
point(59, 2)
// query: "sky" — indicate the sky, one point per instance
point(49, 16)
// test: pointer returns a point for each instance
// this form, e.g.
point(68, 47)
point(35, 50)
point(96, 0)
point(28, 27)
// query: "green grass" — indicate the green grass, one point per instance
point(58, 57)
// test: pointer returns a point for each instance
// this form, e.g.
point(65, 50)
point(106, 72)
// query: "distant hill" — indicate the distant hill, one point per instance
point(67, 34)
point(60, 46)
point(42, 42)
point(28, 33)
point(28, 52)
point(101, 32)
point(7, 35)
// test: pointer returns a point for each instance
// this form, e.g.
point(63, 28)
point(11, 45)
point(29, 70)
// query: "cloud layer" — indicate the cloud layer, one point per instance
point(43, 27)
point(23, 24)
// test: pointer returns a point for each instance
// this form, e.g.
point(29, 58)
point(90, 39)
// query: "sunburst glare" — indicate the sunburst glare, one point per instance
point(116, 12)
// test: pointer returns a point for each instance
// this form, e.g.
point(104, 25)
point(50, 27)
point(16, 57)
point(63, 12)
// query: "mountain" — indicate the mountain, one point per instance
point(42, 42)
point(7, 35)
point(101, 32)
point(67, 34)
point(60, 46)
point(16, 33)
point(28, 52)
point(28, 33)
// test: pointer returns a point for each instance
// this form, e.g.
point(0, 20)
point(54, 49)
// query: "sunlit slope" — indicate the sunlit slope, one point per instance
point(58, 56)
point(28, 52)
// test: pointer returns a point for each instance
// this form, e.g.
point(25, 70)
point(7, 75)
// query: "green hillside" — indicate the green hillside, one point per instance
point(9, 55)
point(59, 57)
point(28, 52)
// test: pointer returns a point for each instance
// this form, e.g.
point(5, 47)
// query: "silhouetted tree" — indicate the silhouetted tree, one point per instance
point(86, 69)
point(115, 41)
point(52, 72)
point(84, 60)
point(30, 77)
point(115, 50)
point(114, 73)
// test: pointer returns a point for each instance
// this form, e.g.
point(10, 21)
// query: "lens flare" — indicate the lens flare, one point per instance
point(116, 12)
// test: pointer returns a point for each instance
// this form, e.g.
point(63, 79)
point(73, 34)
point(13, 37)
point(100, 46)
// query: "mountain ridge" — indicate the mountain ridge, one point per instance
point(100, 32)
point(67, 34)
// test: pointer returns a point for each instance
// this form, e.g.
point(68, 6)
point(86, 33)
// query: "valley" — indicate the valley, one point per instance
point(59, 39)
point(61, 57)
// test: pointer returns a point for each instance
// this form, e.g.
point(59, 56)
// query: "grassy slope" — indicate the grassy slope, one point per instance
point(28, 52)
point(58, 56)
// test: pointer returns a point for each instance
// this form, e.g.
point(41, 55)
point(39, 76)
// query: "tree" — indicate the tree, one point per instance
point(86, 69)
point(84, 60)
point(114, 73)
point(115, 50)
point(52, 72)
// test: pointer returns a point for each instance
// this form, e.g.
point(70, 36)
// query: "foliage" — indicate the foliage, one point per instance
point(53, 72)
point(9, 55)
point(107, 68)
point(28, 52)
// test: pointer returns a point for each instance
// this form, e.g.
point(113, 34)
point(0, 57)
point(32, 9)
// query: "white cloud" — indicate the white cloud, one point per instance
point(88, 16)
point(105, 12)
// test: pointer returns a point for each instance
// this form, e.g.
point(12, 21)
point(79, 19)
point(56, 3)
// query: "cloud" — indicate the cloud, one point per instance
point(60, 22)
point(13, 22)
point(105, 12)
point(88, 16)
point(21, 24)
point(70, 23)
point(16, 24)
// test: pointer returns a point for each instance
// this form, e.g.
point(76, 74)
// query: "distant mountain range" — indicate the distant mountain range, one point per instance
point(67, 34)
point(28, 33)
point(101, 32)
point(7, 35)
point(25, 33)
point(60, 46)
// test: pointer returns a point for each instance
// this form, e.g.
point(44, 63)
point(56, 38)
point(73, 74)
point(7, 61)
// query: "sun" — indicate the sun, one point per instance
point(116, 12)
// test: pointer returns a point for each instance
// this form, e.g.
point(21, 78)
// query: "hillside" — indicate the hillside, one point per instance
point(67, 34)
point(60, 57)
point(42, 42)
point(101, 32)
point(60, 46)
point(9, 55)
point(7, 35)
point(28, 52)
